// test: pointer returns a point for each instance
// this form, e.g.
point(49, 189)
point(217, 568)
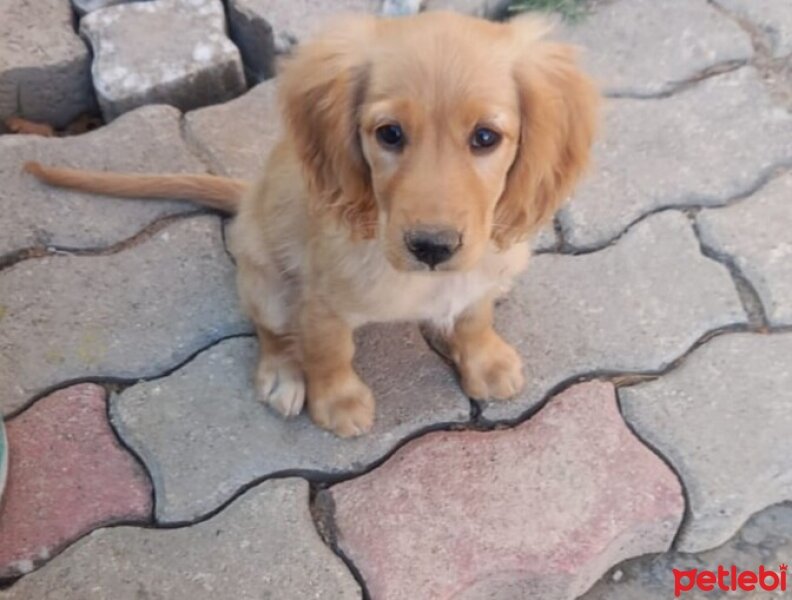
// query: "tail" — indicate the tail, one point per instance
point(222, 193)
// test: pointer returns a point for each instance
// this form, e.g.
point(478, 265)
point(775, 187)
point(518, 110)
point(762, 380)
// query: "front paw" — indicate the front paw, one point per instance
point(490, 370)
point(341, 403)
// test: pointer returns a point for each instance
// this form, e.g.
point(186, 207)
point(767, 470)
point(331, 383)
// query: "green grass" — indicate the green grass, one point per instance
point(572, 10)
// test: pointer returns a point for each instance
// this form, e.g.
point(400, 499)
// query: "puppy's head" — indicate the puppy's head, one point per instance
point(438, 134)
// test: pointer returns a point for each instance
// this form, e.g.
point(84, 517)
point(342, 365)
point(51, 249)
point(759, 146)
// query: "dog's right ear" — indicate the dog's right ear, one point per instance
point(321, 89)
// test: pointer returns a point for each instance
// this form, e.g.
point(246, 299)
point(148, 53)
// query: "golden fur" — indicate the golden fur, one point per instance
point(319, 240)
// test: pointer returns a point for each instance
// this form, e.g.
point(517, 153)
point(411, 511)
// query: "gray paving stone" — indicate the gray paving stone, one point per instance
point(130, 314)
point(644, 47)
point(203, 434)
point(44, 65)
point(774, 17)
point(633, 307)
point(766, 539)
point(236, 137)
point(723, 420)
point(702, 146)
point(164, 51)
point(756, 234)
point(34, 214)
point(264, 545)
point(264, 29)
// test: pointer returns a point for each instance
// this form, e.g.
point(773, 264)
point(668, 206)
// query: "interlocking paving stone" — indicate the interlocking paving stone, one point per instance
point(264, 545)
point(632, 307)
point(130, 314)
point(163, 51)
point(539, 511)
point(703, 146)
point(774, 17)
point(766, 539)
point(203, 434)
point(756, 234)
point(645, 47)
point(68, 475)
point(34, 214)
point(44, 65)
point(723, 419)
point(237, 136)
point(264, 29)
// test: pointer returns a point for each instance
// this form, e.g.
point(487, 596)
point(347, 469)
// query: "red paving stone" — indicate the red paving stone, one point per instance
point(539, 511)
point(67, 475)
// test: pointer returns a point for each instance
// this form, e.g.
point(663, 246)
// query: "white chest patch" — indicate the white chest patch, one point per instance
point(390, 295)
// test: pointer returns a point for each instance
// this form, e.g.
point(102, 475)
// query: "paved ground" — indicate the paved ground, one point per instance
point(655, 323)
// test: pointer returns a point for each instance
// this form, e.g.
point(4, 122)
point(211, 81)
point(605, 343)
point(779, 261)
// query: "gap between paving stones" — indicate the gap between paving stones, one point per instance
point(323, 516)
point(749, 297)
point(121, 383)
point(17, 256)
point(763, 59)
point(196, 148)
point(681, 86)
point(765, 178)
point(686, 511)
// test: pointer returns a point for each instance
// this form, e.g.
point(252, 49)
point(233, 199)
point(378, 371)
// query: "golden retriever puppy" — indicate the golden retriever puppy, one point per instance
point(420, 155)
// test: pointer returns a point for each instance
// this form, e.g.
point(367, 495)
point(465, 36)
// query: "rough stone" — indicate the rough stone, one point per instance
point(755, 234)
point(138, 60)
point(237, 136)
point(703, 146)
point(126, 315)
point(723, 420)
point(645, 48)
point(765, 540)
point(774, 17)
point(203, 435)
point(36, 215)
point(264, 29)
point(44, 65)
point(633, 307)
point(262, 546)
point(539, 511)
point(68, 475)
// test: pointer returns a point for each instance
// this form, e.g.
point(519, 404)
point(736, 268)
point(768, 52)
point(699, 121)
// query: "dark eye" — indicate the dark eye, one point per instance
point(484, 138)
point(391, 136)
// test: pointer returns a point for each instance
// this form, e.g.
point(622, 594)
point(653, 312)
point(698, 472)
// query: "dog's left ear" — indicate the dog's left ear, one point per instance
point(558, 112)
point(321, 89)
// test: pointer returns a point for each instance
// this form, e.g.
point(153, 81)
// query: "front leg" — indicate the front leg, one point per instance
point(337, 398)
point(490, 368)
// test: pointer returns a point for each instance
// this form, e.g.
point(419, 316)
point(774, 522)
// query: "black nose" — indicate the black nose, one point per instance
point(432, 246)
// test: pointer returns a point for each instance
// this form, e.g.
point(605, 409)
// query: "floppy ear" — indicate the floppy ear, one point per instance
point(321, 89)
point(558, 112)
